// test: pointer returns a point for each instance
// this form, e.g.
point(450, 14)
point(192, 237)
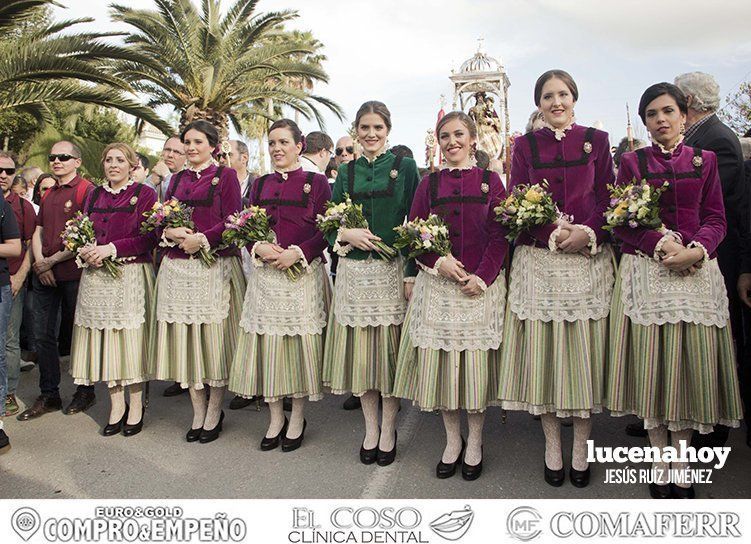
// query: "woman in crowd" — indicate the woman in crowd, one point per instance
point(280, 348)
point(112, 325)
point(363, 338)
point(198, 307)
point(43, 184)
point(672, 361)
point(451, 364)
point(556, 328)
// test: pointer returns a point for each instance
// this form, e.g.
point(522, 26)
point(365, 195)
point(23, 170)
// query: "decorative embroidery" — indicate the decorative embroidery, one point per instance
point(485, 187)
point(107, 187)
point(215, 181)
point(394, 174)
point(133, 201)
point(306, 188)
point(105, 302)
point(587, 147)
point(370, 292)
point(189, 292)
point(697, 161)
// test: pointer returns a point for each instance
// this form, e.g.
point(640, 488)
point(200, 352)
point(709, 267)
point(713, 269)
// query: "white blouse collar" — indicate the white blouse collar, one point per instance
point(670, 151)
point(560, 133)
point(107, 187)
point(201, 167)
point(378, 153)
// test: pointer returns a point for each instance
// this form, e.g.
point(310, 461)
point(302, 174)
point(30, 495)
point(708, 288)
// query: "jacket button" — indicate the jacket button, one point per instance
point(369, 194)
point(671, 208)
point(272, 207)
point(559, 179)
point(276, 193)
point(456, 212)
point(558, 158)
point(105, 219)
point(456, 191)
point(370, 178)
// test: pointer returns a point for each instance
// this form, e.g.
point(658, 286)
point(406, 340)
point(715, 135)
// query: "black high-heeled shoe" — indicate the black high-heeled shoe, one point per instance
point(193, 434)
point(271, 443)
point(291, 444)
point(207, 436)
point(111, 429)
point(385, 458)
point(447, 470)
point(678, 492)
point(368, 457)
point(579, 478)
point(472, 472)
point(131, 430)
point(554, 477)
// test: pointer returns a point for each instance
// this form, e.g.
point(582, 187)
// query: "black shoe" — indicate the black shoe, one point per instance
point(682, 492)
point(385, 458)
point(130, 430)
point(287, 404)
point(194, 434)
point(636, 429)
point(447, 470)
point(43, 405)
point(81, 402)
point(174, 390)
point(239, 402)
point(291, 444)
point(112, 429)
point(472, 472)
point(4, 440)
point(368, 457)
point(659, 491)
point(268, 444)
point(579, 478)
point(352, 403)
point(554, 477)
point(211, 435)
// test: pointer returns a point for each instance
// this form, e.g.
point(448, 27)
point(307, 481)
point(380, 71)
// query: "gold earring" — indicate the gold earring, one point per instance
point(472, 151)
point(683, 128)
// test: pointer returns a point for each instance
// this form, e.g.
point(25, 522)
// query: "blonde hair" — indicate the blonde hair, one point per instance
point(125, 149)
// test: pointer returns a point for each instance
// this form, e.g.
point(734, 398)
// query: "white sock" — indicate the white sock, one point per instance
point(135, 397)
point(198, 399)
point(452, 423)
point(369, 403)
point(551, 426)
point(675, 439)
point(658, 438)
point(214, 412)
point(117, 401)
point(582, 430)
point(473, 455)
point(388, 423)
point(297, 419)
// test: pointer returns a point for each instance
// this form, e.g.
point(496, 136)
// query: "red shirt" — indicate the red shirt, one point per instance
point(26, 219)
point(60, 203)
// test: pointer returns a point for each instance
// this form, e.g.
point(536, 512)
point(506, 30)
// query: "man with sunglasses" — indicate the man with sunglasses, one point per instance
point(172, 161)
point(344, 150)
point(55, 284)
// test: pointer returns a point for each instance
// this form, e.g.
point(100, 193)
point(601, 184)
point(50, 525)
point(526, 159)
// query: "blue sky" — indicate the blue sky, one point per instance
point(402, 51)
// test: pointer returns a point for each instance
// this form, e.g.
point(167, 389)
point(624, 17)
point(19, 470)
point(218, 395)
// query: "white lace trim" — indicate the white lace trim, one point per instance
point(370, 292)
point(107, 187)
point(434, 271)
point(705, 258)
point(276, 305)
point(658, 248)
point(553, 240)
point(200, 385)
point(189, 292)
point(670, 151)
point(105, 302)
point(540, 409)
point(341, 249)
point(201, 167)
point(204, 241)
point(113, 250)
point(547, 286)
point(381, 151)
point(677, 426)
point(410, 279)
point(303, 261)
point(113, 383)
point(560, 133)
point(481, 283)
point(444, 318)
point(255, 259)
point(654, 295)
point(166, 242)
point(593, 249)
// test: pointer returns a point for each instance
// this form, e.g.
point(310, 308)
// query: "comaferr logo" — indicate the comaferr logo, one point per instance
point(454, 525)
point(524, 523)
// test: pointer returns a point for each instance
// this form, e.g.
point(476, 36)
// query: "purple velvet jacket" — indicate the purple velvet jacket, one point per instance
point(292, 206)
point(578, 169)
point(214, 196)
point(692, 204)
point(465, 199)
point(117, 220)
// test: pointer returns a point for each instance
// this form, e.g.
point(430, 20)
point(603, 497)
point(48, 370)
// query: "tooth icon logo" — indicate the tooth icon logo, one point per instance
point(454, 525)
point(25, 522)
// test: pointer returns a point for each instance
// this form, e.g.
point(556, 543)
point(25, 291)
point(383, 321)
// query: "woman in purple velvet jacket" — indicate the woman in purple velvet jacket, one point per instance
point(672, 361)
point(555, 336)
point(112, 326)
point(198, 307)
point(280, 346)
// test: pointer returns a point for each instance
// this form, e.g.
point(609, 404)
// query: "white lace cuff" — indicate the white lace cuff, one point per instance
point(340, 249)
point(255, 259)
point(668, 237)
point(166, 242)
point(303, 261)
point(481, 282)
point(553, 240)
point(434, 271)
point(593, 249)
point(204, 241)
point(703, 249)
point(80, 263)
point(410, 279)
point(113, 250)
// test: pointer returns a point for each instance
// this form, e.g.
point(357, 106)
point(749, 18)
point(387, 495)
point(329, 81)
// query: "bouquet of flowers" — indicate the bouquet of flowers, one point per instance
point(634, 205)
point(249, 226)
point(422, 236)
point(527, 206)
point(78, 233)
point(349, 216)
point(173, 214)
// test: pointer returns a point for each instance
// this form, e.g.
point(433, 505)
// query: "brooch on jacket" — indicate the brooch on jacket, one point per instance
point(133, 201)
point(306, 188)
point(484, 187)
point(215, 182)
point(697, 161)
point(394, 174)
point(587, 147)
point(68, 206)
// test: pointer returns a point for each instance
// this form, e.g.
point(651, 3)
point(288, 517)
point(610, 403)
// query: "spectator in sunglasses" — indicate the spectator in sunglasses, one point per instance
point(344, 150)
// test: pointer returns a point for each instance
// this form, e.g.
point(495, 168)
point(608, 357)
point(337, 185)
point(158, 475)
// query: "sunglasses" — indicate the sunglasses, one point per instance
point(62, 157)
point(350, 149)
point(9, 171)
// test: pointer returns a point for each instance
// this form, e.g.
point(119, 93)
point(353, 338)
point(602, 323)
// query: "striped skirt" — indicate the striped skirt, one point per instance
point(360, 359)
point(681, 375)
point(116, 356)
point(445, 380)
point(198, 354)
point(553, 366)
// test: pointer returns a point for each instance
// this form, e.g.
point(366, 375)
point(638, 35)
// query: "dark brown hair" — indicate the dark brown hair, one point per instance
point(374, 106)
point(659, 89)
point(290, 125)
point(559, 74)
point(465, 119)
point(205, 128)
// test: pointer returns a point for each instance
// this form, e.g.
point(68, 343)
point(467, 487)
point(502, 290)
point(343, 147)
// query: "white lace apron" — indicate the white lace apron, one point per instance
point(444, 318)
point(105, 302)
point(547, 286)
point(653, 295)
point(191, 293)
point(276, 305)
point(370, 293)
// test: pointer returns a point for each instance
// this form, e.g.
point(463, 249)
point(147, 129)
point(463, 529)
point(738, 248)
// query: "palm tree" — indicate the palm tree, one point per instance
point(222, 68)
point(39, 65)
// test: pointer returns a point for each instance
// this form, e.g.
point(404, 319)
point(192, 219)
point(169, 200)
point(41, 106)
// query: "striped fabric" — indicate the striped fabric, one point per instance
point(553, 367)
point(681, 375)
point(360, 359)
point(117, 357)
point(445, 380)
point(199, 354)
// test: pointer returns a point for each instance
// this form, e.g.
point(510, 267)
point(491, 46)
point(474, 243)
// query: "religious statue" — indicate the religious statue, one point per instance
point(488, 125)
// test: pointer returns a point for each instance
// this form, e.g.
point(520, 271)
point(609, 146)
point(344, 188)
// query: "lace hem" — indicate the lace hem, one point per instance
point(112, 383)
point(312, 398)
point(166, 242)
point(190, 293)
point(593, 249)
point(677, 426)
point(553, 240)
point(200, 385)
point(204, 241)
point(417, 405)
point(339, 249)
point(540, 409)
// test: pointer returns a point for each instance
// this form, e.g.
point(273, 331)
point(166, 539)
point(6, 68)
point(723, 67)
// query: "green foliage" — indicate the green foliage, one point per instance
point(737, 111)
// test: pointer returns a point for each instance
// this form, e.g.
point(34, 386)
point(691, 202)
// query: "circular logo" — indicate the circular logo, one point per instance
point(523, 523)
point(25, 522)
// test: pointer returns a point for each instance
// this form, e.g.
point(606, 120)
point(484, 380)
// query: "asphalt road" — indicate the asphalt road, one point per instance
point(58, 456)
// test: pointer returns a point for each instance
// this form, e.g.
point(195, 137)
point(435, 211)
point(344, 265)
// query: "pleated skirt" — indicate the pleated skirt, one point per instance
point(682, 375)
point(200, 354)
point(116, 356)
